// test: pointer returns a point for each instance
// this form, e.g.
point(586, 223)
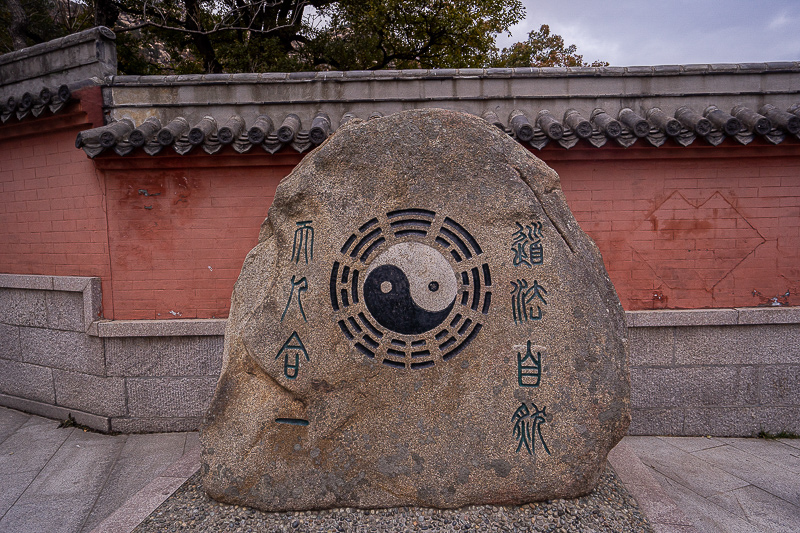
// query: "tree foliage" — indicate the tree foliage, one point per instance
point(543, 49)
point(194, 36)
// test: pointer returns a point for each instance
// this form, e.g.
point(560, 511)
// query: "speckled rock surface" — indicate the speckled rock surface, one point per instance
point(422, 323)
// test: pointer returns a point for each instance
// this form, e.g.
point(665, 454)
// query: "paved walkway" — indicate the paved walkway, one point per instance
point(68, 480)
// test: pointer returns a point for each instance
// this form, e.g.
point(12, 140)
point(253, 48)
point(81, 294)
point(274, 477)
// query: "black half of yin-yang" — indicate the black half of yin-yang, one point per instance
point(396, 309)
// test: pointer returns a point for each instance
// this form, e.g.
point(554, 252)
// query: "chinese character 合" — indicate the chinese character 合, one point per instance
point(522, 297)
point(301, 286)
point(529, 368)
point(303, 242)
point(528, 426)
point(526, 244)
point(293, 348)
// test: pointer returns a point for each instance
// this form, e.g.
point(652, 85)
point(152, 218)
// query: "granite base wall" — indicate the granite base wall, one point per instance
point(721, 372)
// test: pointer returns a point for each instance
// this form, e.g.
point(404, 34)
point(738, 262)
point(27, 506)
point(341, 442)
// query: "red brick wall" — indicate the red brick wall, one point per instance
point(52, 206)
point(180, 229)
point(691, 227)
point(678, 227)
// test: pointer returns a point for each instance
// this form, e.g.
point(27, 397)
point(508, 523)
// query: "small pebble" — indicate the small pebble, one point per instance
point(609, 508)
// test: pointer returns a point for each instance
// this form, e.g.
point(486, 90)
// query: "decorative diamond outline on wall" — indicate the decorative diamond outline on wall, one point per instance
point(687, 243)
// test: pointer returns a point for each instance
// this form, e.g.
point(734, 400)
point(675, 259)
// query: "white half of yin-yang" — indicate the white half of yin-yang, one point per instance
point(431, 279)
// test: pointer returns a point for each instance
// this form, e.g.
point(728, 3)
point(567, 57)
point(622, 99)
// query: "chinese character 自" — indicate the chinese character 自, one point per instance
point(529, 368)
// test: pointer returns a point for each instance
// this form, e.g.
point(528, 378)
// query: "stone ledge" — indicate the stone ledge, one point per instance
point(713, 317)
point(89, 286)
point(56, 412)
point(161, 328)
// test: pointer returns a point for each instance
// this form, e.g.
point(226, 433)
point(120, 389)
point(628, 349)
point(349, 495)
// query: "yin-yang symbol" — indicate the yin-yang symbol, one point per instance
point(410, 288)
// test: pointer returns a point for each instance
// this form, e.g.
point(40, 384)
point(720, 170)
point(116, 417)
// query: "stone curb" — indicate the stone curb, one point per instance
point(139, 506)
point(664, 515)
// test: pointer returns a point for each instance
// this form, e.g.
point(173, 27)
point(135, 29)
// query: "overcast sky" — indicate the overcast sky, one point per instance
point(669, 32)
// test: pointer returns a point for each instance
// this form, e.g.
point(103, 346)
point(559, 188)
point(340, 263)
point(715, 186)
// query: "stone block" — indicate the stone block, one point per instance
point(162, 328)
point(169, 397)
point(26, 281)
point(740, 421)
point(693, 386)
point(27, 381)
point(23, 307)
point(93, 394)
point(769, 315)
point(64, 310)
point(100, 423)
point(164, 356)
point(656, 421)
point(67, 350)
point(9, 342)
point(651, 346)
point(726, 345)
point(682, 317)
point(155, 425)
point(780, 386)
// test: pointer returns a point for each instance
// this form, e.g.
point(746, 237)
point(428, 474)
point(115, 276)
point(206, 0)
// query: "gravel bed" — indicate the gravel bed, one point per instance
point(609, 508)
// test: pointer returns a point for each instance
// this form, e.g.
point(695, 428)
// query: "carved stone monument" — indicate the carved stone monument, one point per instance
point(422, 323)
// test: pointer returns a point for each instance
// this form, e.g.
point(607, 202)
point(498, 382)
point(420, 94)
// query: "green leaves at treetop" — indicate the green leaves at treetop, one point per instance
point(195, 36)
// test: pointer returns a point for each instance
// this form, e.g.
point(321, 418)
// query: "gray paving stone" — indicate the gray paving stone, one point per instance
point(13, 487)
point(164, 356)
point(65, 310)
point(9, 342)
point(693, 444)
point(753, 470)
point(794, 443)
point(18, 455)
point(706, 516)
point(651, 346)
point(10, 421)
point(27, 381)
point(692, 472)
point(140, 505)
point(778, 453)
point(169, 397)
point(67, 350)
point(142, 459)
point(50, 515)
point(98, 395)
point(760, 508)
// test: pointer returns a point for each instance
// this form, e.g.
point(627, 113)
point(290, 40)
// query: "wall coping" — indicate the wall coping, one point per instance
point(713, 317)
point(182, 327)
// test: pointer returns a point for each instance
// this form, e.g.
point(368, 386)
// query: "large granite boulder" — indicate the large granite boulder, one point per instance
point(422, 323)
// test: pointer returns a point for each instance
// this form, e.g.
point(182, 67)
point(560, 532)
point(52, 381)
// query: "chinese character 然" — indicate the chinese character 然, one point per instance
point(527, 426)
point(522, 297)
point(303, 242)
point(529, 368)
point(527, 244)
point(301, 286)
point(292, 350)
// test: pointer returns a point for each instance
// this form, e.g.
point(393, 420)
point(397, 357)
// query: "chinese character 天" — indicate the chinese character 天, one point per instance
point(303, 242)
